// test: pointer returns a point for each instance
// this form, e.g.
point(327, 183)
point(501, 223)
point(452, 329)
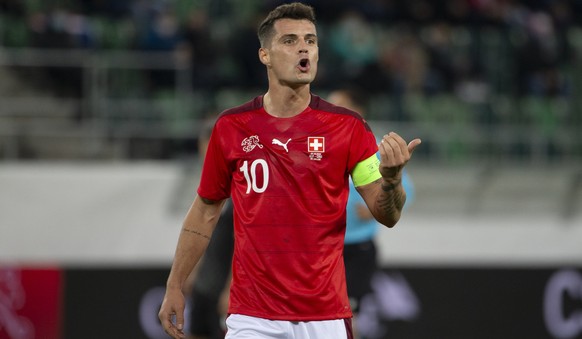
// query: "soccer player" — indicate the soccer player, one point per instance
point(284, 159)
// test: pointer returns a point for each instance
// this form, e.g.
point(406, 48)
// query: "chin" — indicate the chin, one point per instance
point(306, 78)
point(304, 81)
point(298, 82)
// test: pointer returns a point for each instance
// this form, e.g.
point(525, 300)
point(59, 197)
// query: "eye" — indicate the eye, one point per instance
point(311, 39)
point(288, 41)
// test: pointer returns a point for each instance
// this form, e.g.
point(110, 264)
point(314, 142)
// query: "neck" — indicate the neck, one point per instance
point(286, 102)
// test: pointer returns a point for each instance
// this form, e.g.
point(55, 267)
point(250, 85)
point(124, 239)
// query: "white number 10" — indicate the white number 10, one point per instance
point(252, 178)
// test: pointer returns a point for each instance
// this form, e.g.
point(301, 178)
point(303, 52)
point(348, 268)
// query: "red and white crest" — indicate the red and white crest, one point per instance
point(316, 144)
point(250, 143)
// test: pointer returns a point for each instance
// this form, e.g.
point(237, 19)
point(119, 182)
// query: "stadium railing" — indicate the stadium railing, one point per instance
point(115, 106)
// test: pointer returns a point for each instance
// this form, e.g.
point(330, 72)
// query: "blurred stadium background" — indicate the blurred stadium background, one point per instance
point(101, 102)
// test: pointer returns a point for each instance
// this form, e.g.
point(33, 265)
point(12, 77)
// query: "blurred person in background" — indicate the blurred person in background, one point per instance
point(542, 55)
point(354, 41)
point(201, 49)
point(284, 158)
point(210, 278)
point(360, 253)
point(162, 33)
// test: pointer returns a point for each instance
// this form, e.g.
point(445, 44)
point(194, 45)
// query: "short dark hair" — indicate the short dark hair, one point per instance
point(295, 10)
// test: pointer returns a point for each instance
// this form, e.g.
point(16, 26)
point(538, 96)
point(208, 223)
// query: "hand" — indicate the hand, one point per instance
point(394, 154)
point(173, 306)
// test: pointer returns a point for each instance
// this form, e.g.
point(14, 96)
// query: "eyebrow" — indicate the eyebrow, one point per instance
point(295, 36)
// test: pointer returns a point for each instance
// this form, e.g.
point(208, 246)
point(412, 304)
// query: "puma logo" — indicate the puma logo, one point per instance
point(279, 143)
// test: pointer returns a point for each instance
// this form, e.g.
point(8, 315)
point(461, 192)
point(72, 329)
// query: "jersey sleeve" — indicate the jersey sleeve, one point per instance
point(363, 144)
point(216, 176)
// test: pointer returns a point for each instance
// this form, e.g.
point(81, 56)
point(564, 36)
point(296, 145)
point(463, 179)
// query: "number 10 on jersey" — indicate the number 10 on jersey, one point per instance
point(251, 175)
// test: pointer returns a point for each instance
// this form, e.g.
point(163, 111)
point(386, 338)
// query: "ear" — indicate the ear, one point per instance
point(264, 56)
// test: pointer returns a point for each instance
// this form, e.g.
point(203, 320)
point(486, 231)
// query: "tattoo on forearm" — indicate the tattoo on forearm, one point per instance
point(196, 233)
point(392, 200)
point(390, 187)
point(399, 200)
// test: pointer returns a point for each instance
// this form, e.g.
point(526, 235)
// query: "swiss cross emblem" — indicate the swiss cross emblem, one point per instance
point(316, 144)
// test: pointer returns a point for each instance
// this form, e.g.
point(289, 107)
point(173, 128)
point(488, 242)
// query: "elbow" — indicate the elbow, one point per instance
point(390, 224)
point(390, 221)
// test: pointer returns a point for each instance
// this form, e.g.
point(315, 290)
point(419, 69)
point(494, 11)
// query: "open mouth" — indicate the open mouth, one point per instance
point(303, 65)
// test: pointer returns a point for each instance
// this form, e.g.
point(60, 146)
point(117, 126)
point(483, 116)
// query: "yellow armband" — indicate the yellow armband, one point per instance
point(366, 171)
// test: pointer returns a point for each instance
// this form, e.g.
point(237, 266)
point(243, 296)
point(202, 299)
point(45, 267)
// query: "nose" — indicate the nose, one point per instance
point(303, 47)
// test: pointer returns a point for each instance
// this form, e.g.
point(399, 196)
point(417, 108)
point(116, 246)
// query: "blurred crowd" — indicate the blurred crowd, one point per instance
point(470, 47)
point(462, 64)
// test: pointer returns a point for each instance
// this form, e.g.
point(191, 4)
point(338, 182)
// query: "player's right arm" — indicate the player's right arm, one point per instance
point(196, 231)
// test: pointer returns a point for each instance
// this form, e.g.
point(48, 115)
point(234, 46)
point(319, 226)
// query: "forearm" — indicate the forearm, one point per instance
point(387, 196)
point(389, 199)
point(193, 240)
point(188, 252)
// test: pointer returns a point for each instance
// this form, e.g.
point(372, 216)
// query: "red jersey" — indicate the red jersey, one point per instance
point(288, 179)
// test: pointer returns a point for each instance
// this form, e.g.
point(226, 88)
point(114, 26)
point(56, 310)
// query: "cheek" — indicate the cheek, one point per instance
point(315, 58)
point(282, 60)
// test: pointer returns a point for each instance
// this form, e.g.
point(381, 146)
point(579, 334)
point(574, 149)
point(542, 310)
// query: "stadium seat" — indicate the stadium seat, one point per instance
point(15, 33)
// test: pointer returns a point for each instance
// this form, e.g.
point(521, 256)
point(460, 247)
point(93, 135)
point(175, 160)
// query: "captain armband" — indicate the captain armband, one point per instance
point(366, 171)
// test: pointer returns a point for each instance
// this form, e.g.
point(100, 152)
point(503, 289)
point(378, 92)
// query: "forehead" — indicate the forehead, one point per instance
point(293, 26)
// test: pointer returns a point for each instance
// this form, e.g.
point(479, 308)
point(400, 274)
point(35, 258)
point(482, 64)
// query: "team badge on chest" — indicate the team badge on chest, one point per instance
point(249, 144)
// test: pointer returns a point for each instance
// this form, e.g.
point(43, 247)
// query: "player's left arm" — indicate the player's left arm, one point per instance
point(385, 196)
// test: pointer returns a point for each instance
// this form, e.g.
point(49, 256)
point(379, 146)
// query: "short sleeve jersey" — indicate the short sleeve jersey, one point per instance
point(288, 179)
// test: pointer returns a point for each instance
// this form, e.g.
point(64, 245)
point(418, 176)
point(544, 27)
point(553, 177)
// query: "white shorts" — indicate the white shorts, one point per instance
point(242, 327)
